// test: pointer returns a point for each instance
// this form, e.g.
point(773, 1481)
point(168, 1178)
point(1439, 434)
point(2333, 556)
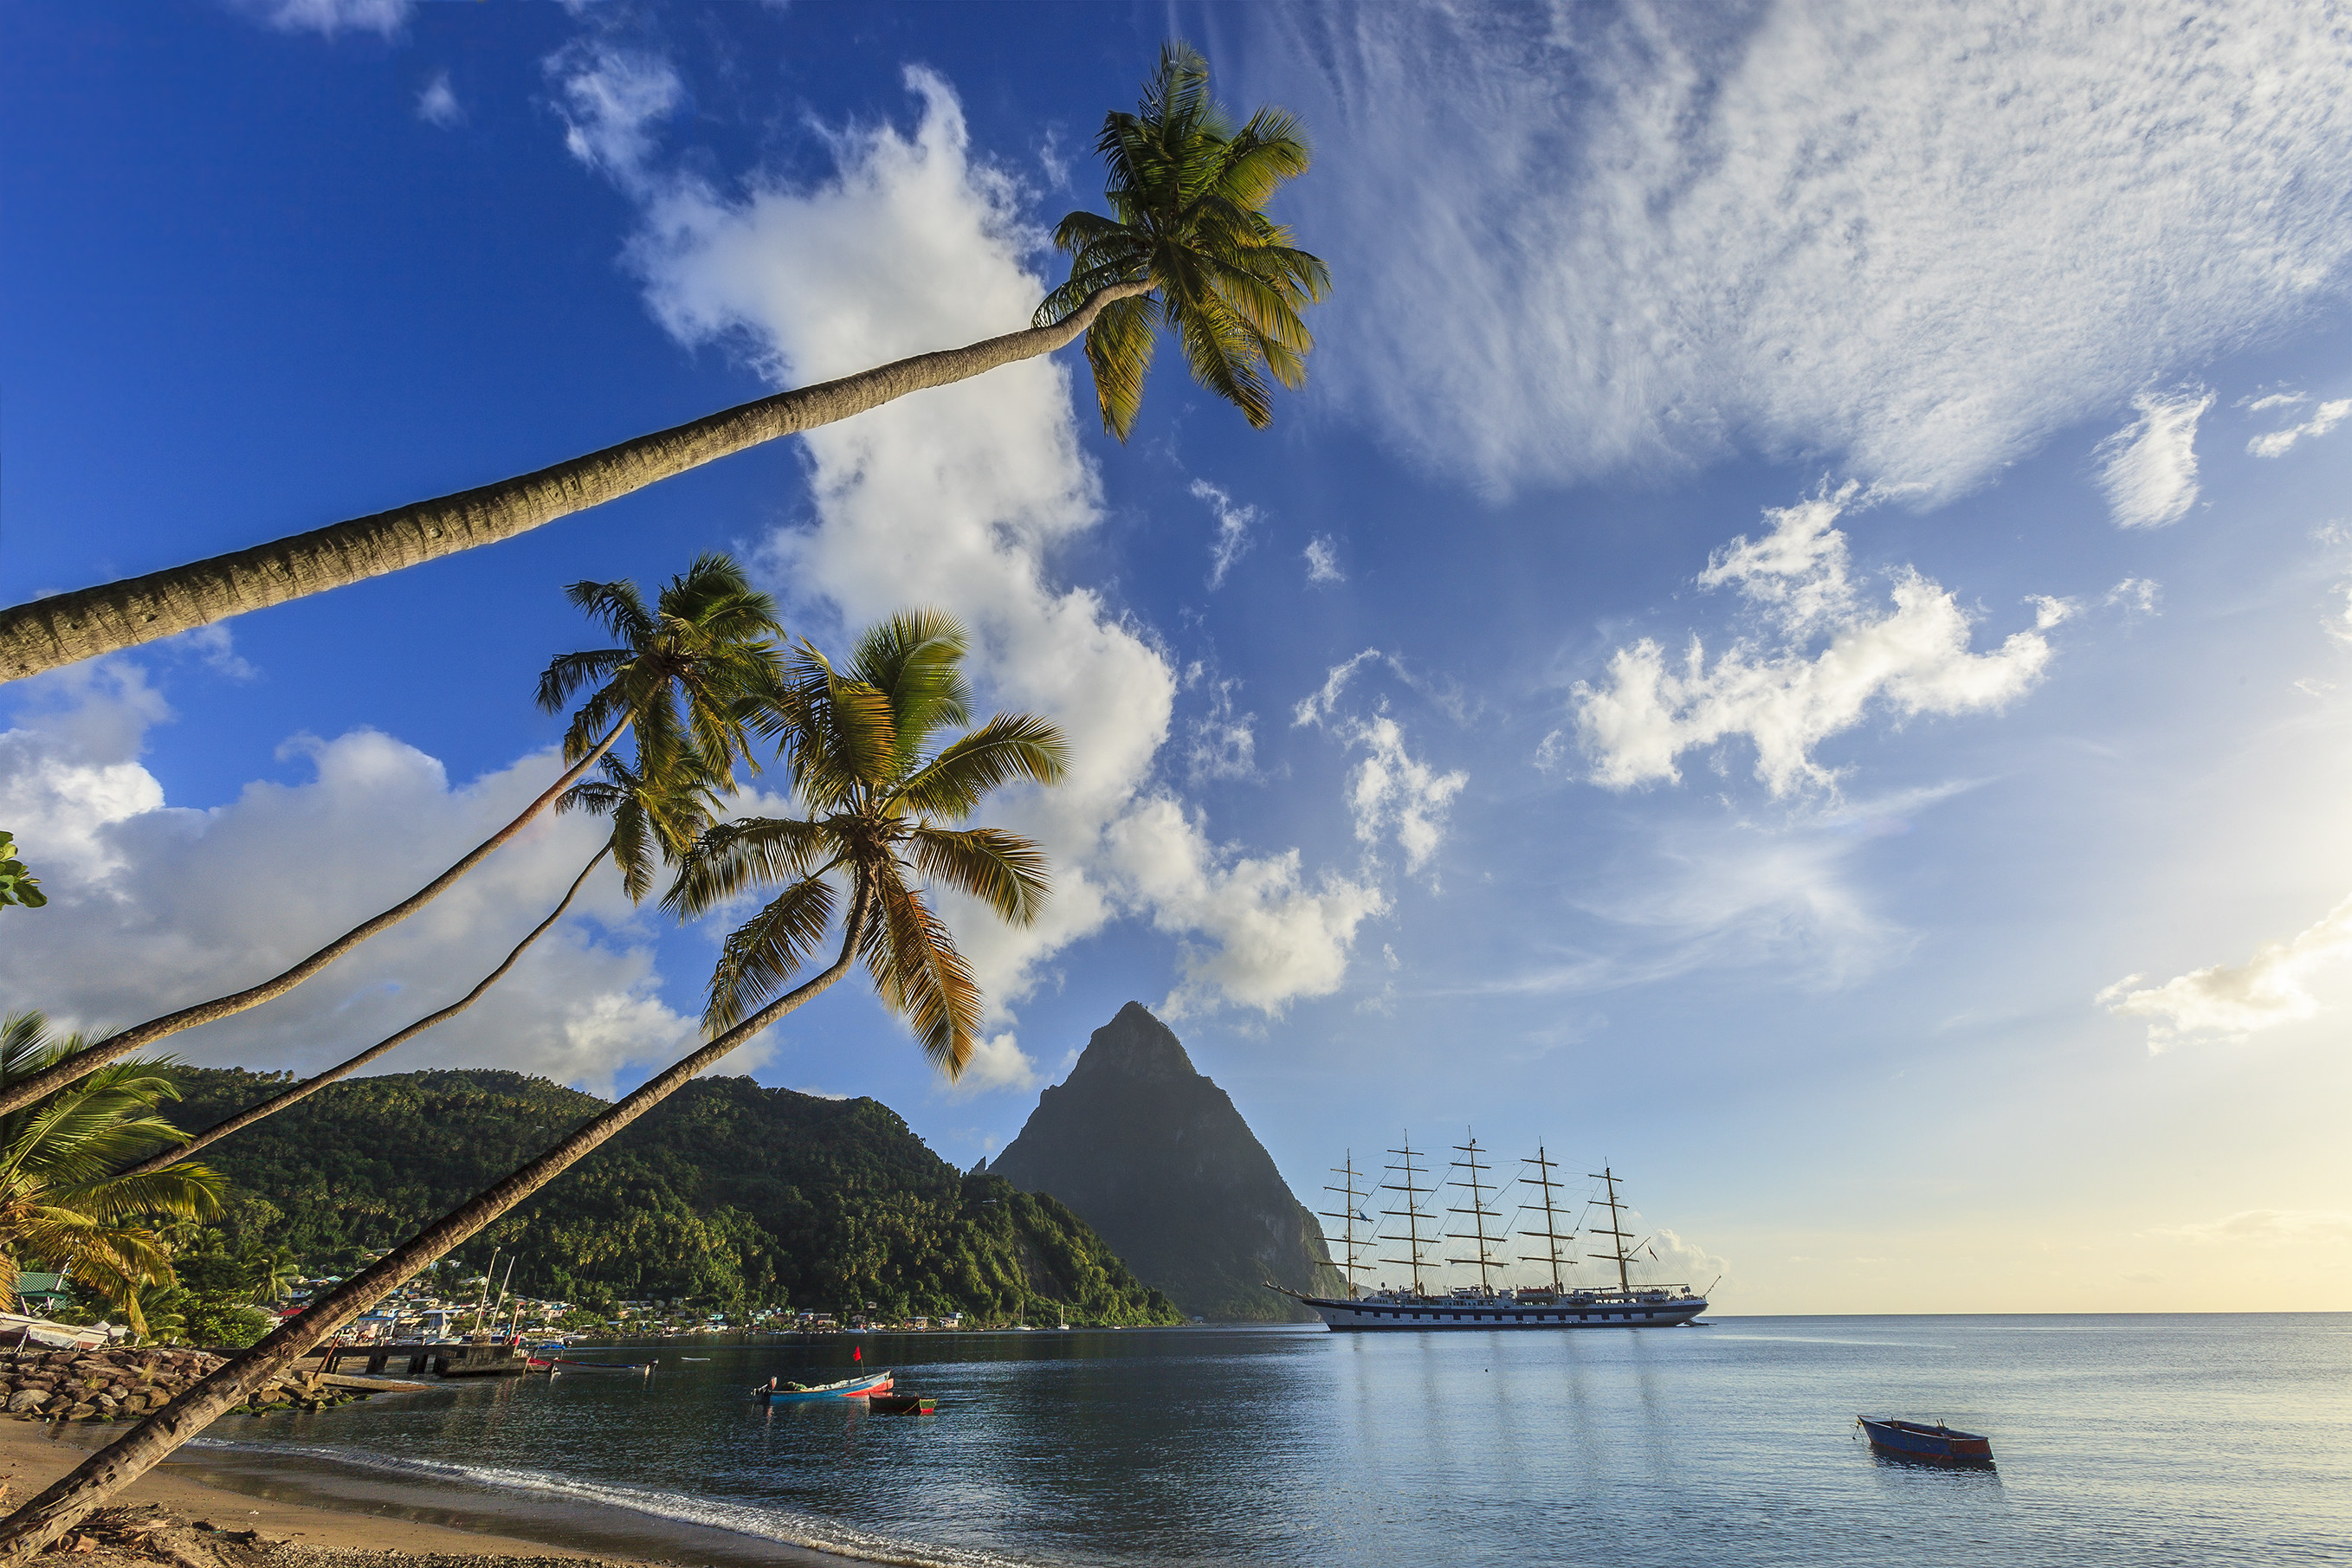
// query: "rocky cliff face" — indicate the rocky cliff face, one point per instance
point(1154, 1157)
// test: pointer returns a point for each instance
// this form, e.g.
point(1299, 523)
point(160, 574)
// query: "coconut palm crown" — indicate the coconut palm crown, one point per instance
point(883, 799)
point(707, 645)
point(1188, 193)
point(63, 1201)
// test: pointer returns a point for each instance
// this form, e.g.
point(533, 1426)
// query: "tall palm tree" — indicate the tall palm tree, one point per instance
point(881, 803)
point(1188, 195)
point(651, 821)
point(65, 1200)
point(706, 647)
point(881, 800)
point(1227, 321)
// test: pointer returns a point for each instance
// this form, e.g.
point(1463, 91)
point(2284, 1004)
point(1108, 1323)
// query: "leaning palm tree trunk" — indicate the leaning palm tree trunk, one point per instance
point(47, 1518)
point(24, 1093)
point(68, 627)
point(246, 1118)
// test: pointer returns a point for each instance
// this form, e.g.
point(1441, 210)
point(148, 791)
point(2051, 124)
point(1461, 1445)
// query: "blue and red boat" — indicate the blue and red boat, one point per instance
point(847, 1388)
point(1923, 1444)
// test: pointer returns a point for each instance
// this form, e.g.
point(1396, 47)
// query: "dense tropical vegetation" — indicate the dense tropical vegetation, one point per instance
point(731, 1198)
point(64, 1202)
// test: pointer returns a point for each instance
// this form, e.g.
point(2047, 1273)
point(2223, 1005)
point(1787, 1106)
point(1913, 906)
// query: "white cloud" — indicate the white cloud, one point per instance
point(1254, 930)
point(2148, 468)
point(1318, 705)
point(2275, 400)
point(1322, 553)
point(437, 104)
point(1232, 537)
point(957, 497)
point(2233, 1002)
point(153, 906)
point(1785, 697)
point(1393, 792)
point(614, 99)
point(1221, 743)
point(332, 16)
point(998, 1062)
point(1776, 893)
point(2324, 418)
point(1922, 237)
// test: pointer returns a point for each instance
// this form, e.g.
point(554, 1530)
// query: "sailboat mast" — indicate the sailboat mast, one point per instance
point(1411, 1212)
point(1351, 1212)
point(1551, 1233)
point(1478, 1211)
point(1610, 1178)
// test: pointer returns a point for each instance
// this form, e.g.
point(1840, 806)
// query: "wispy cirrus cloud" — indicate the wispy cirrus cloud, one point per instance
point(2279, 443)
point(1232, 540)
point(437, 103)
point(331, 17)
point(1922, 239)
point(2148, 468)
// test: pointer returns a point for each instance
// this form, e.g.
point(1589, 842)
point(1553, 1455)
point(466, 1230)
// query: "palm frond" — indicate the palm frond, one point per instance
point(767, 950)
point(735, 855)
point(920, 976)
point(1010, 746)
point(1002, 870)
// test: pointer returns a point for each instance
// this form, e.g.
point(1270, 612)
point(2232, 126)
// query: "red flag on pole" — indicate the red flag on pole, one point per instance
point(856, 1354)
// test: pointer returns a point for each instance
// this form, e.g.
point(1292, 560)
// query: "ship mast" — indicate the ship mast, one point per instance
point(1550, 1235)
point(1412, 1213)
point(1478, 1211)
point(1351, 1212)
point(1606, 1175)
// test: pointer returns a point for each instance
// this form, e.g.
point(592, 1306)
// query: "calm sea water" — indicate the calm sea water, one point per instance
point(2120, 1440)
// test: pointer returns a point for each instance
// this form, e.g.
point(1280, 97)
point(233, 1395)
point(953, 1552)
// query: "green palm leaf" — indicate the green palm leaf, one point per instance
point(1187, 192)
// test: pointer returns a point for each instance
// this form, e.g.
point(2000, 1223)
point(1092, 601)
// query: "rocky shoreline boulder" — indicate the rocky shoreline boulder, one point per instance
point(120, 1384)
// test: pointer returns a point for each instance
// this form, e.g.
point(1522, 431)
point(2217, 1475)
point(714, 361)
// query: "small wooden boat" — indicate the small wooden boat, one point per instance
point(1937, 1445)
point(847, 1388)
point(903, 1403)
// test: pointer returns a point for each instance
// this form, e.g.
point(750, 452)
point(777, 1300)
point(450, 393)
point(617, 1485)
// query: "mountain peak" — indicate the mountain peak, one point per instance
point(1134, 1045)
point(1155, 1156)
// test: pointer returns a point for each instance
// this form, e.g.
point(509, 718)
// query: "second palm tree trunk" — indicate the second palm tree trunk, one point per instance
point(45, 1519)
point(309, 1086)
point(17, 1096)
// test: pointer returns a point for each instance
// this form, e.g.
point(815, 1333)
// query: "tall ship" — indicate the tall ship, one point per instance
point(1416, 1230)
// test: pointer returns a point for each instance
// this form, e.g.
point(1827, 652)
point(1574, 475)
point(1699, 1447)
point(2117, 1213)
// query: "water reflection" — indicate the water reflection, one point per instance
point(1283, 1448)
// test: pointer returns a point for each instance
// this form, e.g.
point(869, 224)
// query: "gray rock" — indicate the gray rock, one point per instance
point(26, 1399)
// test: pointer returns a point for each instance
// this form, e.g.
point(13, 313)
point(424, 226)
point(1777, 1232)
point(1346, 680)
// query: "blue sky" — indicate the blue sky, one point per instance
point(1812, 551)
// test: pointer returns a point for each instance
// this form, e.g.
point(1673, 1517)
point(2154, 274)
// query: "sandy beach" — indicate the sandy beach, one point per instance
point(34, 1454)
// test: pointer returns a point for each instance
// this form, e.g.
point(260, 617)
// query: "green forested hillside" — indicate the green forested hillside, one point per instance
point(728, 1194)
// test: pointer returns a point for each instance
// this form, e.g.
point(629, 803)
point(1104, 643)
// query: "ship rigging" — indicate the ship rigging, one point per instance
point(1554, 1303)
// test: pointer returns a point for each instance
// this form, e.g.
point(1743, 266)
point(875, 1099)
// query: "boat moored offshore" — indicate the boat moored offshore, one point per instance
point(1557, 1305)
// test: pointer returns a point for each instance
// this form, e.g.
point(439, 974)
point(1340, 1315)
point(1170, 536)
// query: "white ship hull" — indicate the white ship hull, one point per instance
point(1425, 1312)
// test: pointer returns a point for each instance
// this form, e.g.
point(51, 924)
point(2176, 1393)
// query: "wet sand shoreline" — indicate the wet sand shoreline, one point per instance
point(326, 1513)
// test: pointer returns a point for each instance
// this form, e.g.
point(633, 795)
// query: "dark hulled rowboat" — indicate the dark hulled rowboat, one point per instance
point(903, 1403)
point(1937, 1445)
